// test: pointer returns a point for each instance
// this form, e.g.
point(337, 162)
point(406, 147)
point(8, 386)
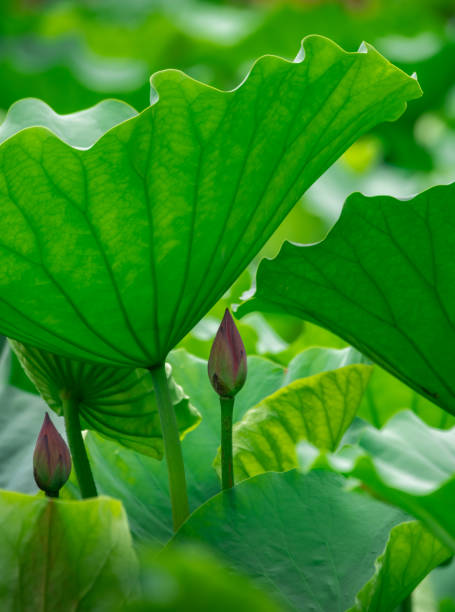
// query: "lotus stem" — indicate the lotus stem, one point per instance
point(77, 447)
point(172, 447)
point(227, 470)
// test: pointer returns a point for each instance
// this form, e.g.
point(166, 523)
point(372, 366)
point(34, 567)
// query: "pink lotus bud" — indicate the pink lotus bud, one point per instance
point(51, 459)
point(227, 361)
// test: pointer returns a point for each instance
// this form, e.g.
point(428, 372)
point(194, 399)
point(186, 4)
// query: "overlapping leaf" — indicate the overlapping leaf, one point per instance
point(118, 403)
point(65, 555)
point(407, 463)
point(410, 555)
point(119, 250)
point(384, 280)
point(301, 537)
point(318, 408)
point(311, 535)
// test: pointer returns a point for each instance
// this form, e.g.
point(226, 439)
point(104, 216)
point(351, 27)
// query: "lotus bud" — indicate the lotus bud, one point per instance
point(51, 459)
point(227, 361)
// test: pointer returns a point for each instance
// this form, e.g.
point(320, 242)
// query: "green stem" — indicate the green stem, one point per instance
point(172, 447)
point(406, 604)
point(77, 447)
point(52, 494)
point(227, 470)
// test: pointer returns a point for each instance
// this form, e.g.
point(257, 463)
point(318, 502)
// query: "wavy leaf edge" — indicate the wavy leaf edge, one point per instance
point(364, 48)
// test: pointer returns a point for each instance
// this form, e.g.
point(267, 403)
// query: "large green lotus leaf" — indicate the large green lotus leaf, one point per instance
point(318, 408)
point(80, 130)
point(117, 251)
point(411, 553)
point(64, 555)
point(385, 395)
point(384, 280)
point(118, 403)
point(302, 537)
point(407, 463)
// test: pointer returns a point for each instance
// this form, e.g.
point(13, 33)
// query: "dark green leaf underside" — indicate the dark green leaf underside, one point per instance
point(384, 280)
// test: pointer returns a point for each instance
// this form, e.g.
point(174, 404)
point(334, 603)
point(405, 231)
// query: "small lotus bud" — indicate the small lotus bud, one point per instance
point(227, 361)
point(51, 459)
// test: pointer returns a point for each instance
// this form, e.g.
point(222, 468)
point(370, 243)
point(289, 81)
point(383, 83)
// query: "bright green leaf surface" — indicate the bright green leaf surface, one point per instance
point(384, 280)
point(411, 553)
point(118, 403)
point(319, 408)
point(301, 537)
point(80, 130)
point(407, 463)
point(64, 555)
point(169, 207)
